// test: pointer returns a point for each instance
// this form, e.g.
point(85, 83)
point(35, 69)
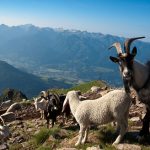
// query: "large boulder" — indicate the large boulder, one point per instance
point(12, 94)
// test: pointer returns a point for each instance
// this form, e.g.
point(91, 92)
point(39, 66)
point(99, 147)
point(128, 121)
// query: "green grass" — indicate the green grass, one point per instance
point(44, 148)
point(130, 123)
point(44, 134)
point(83, 87)
point(145, 147)
point(107, 135)
point(26, 103)
point(15, 147)
point(49, 139)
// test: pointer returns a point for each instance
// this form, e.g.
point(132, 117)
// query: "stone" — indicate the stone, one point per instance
point(135, 119)
point(4, 147)
point(127, 147)
point(94, 148)
point(67, 149)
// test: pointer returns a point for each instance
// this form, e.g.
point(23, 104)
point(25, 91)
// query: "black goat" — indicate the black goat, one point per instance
point(54, 108)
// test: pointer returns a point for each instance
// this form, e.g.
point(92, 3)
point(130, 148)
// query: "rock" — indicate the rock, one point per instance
point(67, 149)
point(127, 147)
point(94, 148)
point(95, 89)
point(69, 142)
point(104, 88)
point(4, 147)
point(24, 144)
point(135, 119)
point(15, 135)
point(51, 139)
point(62, 133)
point(141, 105)
point(19, 123)
point(19, 139)
point(30, 129)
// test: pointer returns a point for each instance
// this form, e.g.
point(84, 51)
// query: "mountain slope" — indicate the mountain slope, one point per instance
point(29, 84)
point(63, 54)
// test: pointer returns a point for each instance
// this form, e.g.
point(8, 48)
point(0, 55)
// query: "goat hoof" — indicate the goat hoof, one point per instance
point(77, 144)
point(114, 144)
point(83, 141)
point(142, 139)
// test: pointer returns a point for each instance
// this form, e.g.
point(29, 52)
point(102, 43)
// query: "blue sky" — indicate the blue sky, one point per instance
point(126, 18)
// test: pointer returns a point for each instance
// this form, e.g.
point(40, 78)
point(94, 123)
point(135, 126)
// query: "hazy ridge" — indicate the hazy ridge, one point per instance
point(70, 56)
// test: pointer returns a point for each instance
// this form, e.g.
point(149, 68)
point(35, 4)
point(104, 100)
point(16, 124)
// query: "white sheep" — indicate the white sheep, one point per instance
point(6, 104)
point(15, 107)
point(114, 106)
point(40, 105)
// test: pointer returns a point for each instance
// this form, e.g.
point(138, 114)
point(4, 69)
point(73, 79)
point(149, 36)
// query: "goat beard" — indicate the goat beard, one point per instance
point(127, 85)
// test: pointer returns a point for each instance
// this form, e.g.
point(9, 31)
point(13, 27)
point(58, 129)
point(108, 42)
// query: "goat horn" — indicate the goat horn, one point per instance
point(128, 43)
point(117, 45)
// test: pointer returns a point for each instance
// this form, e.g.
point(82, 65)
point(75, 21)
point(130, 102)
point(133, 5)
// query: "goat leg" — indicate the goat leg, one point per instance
point(145, 128)
point(47, 123)
point(53, 122)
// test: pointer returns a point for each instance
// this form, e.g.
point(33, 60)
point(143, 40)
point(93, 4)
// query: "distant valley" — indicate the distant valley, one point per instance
point(66, 56)
point(29, 84)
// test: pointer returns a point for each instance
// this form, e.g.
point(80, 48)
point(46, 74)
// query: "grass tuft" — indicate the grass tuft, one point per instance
point(83, 87)
point(44, 134)
point(107, 134)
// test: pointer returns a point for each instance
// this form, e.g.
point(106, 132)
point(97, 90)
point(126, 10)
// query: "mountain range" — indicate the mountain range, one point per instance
point(68, 56)
point(31, 85)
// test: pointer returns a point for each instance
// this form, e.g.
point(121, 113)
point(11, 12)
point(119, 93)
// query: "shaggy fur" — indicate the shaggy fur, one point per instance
point(114, 106)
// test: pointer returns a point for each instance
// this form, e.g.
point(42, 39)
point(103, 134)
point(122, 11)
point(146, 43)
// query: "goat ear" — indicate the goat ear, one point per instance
point(134, 51)
point(114, 59)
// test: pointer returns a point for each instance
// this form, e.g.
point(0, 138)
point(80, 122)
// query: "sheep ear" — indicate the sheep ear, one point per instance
point(114, 59)
point(134, 51)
